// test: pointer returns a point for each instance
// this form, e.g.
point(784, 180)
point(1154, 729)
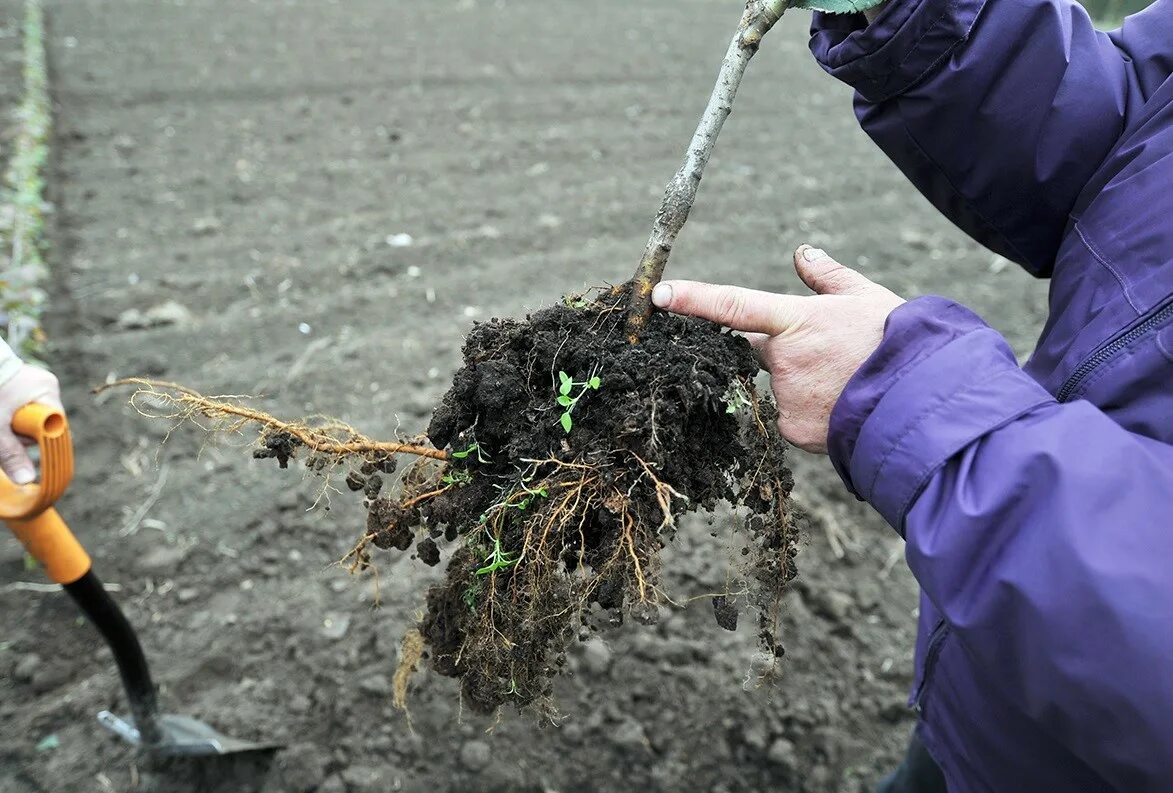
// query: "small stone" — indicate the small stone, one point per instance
point(376, 686)
point(206, 226)
point(782, 753)
point(26, 667)
point(833, 605)
point(595, 656)
point(298, 704)
point(820, 777)
point(131, 319)
point(914, 239)
point(334, 784)
point(400, 240)
point(187, 595)
point(124, 143)
point(630, 734)
point(755, 736)
point(475, 755)
point(49, 677)
point(335, 626)
point(162, 558)
point(363, 778)
point(169, 313)
point(548, 221)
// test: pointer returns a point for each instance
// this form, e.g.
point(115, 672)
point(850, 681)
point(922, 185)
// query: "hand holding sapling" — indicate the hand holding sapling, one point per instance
point(811, 346)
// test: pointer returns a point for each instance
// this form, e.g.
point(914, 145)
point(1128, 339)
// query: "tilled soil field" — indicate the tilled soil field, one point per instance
point(312, 202)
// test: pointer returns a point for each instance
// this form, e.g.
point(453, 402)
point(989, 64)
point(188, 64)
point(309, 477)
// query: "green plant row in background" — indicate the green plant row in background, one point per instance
point(23, 206)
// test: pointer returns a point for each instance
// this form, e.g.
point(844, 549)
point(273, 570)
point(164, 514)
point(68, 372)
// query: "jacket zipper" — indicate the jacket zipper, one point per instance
point(936, 642)
point(1109, 349)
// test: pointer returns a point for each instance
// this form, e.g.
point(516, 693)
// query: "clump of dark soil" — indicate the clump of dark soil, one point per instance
point(572, 453)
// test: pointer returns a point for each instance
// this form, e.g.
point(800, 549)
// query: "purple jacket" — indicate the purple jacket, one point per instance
point(1037, 503)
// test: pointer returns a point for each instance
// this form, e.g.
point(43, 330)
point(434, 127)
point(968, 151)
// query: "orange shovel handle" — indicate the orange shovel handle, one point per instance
point(28, 509)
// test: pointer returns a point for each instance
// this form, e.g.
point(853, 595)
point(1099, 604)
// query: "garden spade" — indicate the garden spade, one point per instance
point(28, 511)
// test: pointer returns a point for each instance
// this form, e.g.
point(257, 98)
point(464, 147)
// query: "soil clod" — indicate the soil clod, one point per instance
point(560, 460)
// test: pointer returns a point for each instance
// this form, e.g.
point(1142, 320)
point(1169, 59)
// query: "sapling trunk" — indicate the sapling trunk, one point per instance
point(759, 17)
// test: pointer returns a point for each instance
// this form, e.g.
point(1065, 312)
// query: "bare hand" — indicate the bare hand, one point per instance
point(29, 384)
point(811, 346)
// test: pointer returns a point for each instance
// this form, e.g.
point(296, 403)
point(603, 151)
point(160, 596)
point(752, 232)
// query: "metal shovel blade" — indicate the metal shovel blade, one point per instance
point(181, 736)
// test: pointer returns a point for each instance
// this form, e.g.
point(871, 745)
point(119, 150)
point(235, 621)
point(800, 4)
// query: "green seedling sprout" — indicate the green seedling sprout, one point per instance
point(498, 559)
point(530, 495)
point(566, 386)
point(463, 454)
point(736, 397)
point(458, 477)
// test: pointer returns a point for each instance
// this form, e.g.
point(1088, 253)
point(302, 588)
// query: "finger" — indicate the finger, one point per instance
point(15, 460)
point(732, 306)
point(826, 276)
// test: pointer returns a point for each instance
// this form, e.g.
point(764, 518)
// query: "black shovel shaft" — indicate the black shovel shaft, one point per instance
point(103, 612)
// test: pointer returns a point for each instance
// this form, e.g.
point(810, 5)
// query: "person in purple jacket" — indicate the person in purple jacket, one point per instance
point(1036, 502)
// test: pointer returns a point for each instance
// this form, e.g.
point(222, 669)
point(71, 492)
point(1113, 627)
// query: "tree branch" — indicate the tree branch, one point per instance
point(759, 17)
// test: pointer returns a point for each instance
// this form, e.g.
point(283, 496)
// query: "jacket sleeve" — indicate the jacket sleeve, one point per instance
point(999, 111)
point(1040, 530)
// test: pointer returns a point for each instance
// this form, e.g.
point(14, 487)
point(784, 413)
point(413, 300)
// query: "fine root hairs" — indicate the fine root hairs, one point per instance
point(162, 399)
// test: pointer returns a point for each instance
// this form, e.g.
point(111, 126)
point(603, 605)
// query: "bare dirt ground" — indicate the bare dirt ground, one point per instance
point(248, 162)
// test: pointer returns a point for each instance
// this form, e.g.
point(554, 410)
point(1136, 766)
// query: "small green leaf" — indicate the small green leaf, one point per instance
point(465, 453)
point(594, 383)
point(564, 378)
point(48, 743)
point(564, 389)
point(565, 401)
point(567, 422)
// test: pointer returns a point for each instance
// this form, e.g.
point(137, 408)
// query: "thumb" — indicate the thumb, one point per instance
point(828, 277)
point(15, 460)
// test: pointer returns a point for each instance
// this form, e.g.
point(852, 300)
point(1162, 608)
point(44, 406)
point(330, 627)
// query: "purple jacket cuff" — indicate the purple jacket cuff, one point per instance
point(904, 43)
point(940, 379)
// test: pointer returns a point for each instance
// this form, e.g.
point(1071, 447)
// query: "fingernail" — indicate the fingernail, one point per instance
point(22, 476)
point(662, 295)
point(813, 254)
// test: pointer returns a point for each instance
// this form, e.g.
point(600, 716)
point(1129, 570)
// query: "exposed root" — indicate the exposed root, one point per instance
point(332, 438)
point(664, 493)
point(411, 650)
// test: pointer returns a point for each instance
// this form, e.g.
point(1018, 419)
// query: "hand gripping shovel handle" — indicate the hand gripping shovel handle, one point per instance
point(28, 511)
